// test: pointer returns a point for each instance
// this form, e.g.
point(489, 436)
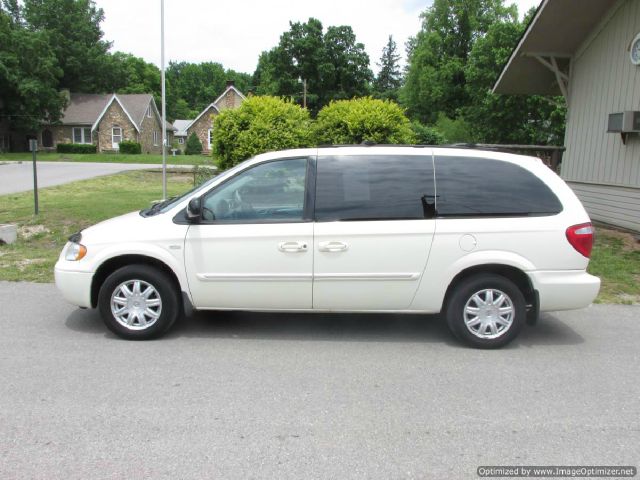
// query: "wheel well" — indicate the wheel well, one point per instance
point(517, 276)
point(113, 264)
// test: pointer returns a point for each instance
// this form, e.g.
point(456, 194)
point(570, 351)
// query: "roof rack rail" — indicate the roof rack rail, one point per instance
point(463, 146)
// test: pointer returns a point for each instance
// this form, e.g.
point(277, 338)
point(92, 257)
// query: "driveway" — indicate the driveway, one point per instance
point(18, 176)
point(247, 395)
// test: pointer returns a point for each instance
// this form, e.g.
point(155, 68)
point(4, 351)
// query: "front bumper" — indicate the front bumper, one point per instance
point(565, 290)
point(74, 286)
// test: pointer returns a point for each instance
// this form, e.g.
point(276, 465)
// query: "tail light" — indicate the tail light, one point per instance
point(581, 238)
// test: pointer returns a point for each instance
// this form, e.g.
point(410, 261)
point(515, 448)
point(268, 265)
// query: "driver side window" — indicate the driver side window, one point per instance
point(272, 191)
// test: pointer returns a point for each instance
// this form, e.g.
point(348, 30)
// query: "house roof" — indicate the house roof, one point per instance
point(181, 127)
point(222, 95)
point(555, 34)
point(88, 108)
point(207, 108)
point(84, 108)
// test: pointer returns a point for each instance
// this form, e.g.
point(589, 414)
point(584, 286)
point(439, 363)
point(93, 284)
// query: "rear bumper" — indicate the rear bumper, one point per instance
point(565, 290)
point(74, 286)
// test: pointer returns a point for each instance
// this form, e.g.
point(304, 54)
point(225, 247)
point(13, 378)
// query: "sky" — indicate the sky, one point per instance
point(235, 32)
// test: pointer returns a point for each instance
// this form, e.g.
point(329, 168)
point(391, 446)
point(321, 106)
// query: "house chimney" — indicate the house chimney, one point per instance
point(230, 83)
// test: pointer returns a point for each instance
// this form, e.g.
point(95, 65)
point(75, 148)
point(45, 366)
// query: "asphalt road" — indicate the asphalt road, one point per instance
point(246, 395)
point(18, 177)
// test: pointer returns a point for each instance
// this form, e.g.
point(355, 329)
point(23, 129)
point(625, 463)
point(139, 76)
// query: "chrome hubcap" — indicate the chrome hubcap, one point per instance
point(489, 313)
point(136, 304)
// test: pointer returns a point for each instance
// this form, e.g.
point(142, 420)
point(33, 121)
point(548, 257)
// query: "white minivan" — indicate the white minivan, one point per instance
point(489, 239)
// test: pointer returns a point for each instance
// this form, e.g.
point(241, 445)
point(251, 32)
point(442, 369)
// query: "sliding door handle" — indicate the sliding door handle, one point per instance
point(332, 246)
point(292, 247)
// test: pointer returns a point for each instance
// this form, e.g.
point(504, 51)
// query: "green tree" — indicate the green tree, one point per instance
point(181, 110)
point(193, 146)
point(260, 124)
point(29, 75)
point(526, 119)
point(389, 78)
point(127, 73)
point(75, 36)
point(345, 70)
point(435, 80)
point(199, 84)
point(363, 120)
point(333, 63)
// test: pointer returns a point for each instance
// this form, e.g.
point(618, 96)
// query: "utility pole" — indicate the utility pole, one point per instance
point(164, 105)
point(304, 95)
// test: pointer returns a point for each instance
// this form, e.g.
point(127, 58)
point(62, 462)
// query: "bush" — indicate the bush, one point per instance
point(76, 148)
point(427, 135)
point(455, 131)
point(260, 124)
point(363, 119)
point(202, 173)
point(133, 148)
point(193, 146)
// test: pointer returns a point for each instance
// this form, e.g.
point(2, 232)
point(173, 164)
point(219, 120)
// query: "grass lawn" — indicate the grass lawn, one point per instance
point(65, 209)
point(616, 260)
point(108, 158)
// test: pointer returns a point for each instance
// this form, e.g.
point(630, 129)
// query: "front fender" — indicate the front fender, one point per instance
point(172, 257)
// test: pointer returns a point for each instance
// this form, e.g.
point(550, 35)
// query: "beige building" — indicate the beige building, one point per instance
point(589, 51)
point(107, 120)
point(202, 125)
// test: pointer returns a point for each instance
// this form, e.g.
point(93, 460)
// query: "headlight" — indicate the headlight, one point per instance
point(75, 252)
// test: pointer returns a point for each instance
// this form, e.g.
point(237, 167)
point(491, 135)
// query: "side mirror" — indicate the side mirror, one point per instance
point(194, 210)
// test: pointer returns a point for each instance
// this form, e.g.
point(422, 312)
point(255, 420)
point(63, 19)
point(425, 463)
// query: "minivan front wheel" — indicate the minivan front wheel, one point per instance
point(486, 311)
point(138, 302)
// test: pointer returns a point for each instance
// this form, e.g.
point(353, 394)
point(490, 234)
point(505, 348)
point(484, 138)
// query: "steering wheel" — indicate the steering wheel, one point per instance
point(207, 214)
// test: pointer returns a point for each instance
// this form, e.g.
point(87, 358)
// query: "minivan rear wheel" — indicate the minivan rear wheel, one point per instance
point(138, 302)
point(486, 311)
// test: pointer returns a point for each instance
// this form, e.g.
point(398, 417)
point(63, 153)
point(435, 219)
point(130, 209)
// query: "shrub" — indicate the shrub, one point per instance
point(455, 131)
point(202, 173)
point(363, 119)
point(76, 148)
point(260, 124)
point(427, 135)
point(133, 148)
point(193, 146)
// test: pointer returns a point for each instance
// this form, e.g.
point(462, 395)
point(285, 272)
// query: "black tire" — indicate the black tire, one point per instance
point(165, 290)
point(480, 284)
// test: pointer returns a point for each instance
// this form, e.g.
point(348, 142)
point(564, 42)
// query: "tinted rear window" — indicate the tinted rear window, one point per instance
point(470, 186)
point(383, 187)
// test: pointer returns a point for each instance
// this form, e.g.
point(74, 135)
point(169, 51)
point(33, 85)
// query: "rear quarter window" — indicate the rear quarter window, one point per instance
point(470, 186)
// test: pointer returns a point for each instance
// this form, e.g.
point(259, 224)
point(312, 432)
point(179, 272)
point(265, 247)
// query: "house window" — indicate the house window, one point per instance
point(149, 111)
point(155, 138)
point(210, 137)
point(81, 135)
point(116, 137)
point(47, 138)
point(181, 140)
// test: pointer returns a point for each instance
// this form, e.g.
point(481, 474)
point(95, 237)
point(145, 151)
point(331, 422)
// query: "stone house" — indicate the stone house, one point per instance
point(202, 125)
point(107, 120)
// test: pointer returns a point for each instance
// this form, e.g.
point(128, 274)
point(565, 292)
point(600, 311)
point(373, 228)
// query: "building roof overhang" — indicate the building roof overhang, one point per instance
point(540, 62)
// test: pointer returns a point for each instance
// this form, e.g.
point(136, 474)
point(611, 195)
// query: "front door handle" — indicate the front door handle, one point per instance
point(292, 247)
point(332, 246)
